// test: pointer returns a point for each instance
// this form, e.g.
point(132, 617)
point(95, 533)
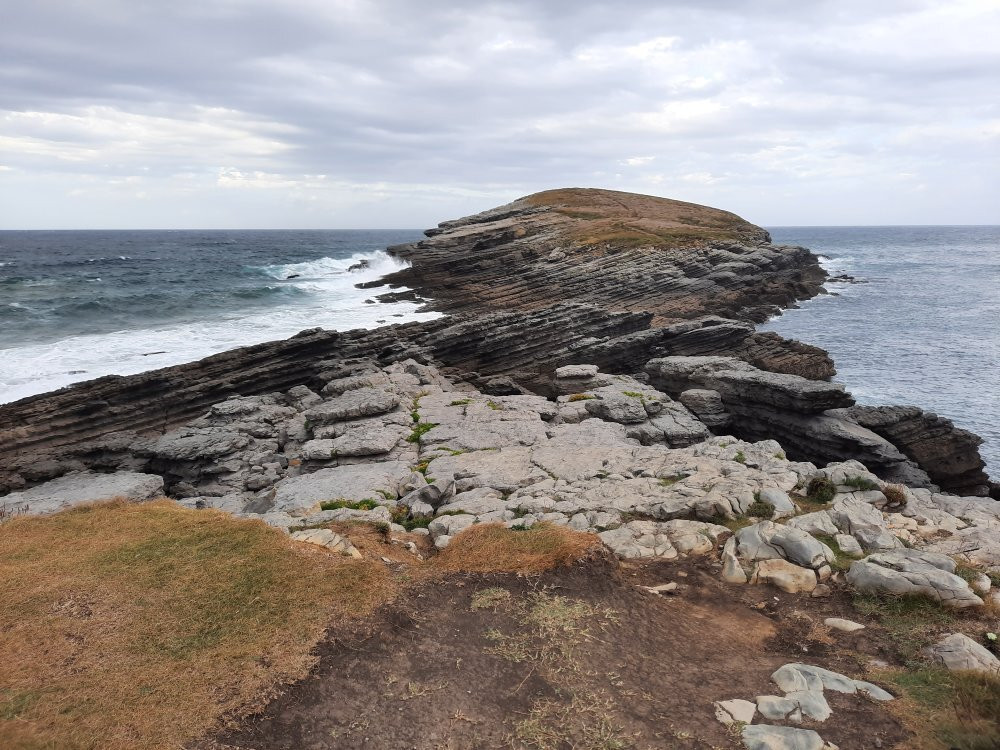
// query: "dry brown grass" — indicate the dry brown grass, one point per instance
point(627, 220)
point(493, 548)
point(125, 626)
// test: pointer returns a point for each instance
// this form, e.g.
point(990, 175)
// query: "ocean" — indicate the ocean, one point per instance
point(921, 325)
point(75, 305)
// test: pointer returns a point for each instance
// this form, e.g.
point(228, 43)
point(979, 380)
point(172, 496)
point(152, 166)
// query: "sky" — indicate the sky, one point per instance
point(393, 113)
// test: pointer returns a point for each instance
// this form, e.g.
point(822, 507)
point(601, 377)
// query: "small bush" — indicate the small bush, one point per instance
point(366, 504)
point(580, 397)
point(494, 405)
point(895, 494)
point(740, 457)
point(760, 509)
point(821, 490)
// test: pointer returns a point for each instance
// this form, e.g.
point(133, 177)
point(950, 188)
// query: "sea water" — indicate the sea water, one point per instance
point(921, 326)
point(76, 305)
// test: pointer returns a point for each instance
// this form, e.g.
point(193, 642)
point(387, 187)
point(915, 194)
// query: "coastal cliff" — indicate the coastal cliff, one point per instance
point(557, 278)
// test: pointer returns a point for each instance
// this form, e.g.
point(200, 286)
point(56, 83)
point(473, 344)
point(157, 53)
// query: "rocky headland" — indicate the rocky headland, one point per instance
point(596, 368)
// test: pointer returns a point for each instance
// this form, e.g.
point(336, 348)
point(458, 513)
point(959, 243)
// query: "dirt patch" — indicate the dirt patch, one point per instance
point(579, 657)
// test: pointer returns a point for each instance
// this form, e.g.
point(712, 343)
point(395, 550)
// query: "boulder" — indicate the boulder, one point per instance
point(786, 576)
point(958, 651)
point(907, 571)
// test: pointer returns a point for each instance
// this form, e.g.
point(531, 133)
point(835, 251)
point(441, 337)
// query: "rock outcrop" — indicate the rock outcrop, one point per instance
point(817, 421)
point(551, 280)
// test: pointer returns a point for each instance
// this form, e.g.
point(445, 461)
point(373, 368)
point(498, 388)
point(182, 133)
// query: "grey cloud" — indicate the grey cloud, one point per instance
point(501, 99)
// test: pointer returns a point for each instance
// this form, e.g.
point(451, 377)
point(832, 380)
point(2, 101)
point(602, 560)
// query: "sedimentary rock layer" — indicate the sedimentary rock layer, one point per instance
point(618, 250)
point(558, 278)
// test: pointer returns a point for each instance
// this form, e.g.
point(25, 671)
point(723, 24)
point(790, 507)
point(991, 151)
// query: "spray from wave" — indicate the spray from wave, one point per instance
point(289, 298)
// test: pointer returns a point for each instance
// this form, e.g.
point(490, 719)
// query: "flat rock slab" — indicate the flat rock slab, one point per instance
point(796, 678)
point(82, 487)
point(353, 404)
point(737, 710)
point(301, 495)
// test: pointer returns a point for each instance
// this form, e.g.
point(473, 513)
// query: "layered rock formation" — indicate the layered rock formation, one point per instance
point(553, 279)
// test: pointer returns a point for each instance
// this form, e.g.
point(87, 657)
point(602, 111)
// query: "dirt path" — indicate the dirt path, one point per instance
point(576, 658)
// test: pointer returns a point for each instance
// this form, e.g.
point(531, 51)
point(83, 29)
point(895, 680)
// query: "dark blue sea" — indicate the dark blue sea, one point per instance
point(76, 305)
point(922, 328)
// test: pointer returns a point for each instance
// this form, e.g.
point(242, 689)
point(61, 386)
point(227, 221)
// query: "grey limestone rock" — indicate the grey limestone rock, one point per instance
point(958, 651)
point(82, 487)
point(907, 571)
point(301, 495)
point(198, 444)
point(617, 407)
point(353, 404)
point(707, 406)
point(768, 737)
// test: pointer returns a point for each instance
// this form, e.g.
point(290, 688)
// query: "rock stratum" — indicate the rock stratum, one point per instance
point(663, 290)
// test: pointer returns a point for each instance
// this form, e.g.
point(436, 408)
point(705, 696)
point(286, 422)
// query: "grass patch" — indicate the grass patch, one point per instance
point(491, 547)
point(461, 402)
point(740, 457)
point(138, 625)
point(490, 598)
point(366, 504)
point(909, 621)
point(860, 483)
point(842, 561)
point(780, 456)
point(494, 405)
point(733, 524)
point(580, 397)
point(551, 630)
point(419, 430)
point(671, 481)
point(949, 710)
point(760, 509)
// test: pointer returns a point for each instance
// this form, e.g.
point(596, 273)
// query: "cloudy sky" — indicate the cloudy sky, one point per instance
point(393, 113)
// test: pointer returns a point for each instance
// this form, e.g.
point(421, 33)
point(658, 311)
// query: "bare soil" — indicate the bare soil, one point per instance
point(577, 658)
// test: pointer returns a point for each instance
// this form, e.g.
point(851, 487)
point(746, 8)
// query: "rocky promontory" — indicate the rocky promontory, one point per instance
point(561, 277)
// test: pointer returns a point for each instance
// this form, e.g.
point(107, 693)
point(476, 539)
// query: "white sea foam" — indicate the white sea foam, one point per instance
point(332, 303)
